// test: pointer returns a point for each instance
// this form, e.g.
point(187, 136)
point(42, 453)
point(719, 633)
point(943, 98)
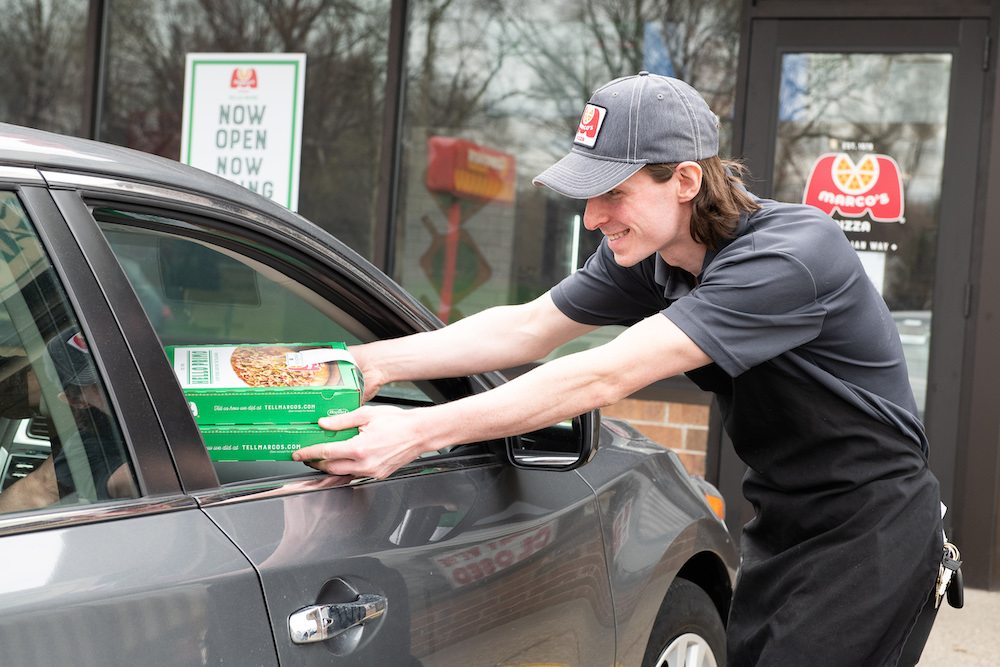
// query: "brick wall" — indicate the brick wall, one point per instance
point(682, 427)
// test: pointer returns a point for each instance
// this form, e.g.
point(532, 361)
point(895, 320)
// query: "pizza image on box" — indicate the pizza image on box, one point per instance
point(281, 366)
point(260, 366)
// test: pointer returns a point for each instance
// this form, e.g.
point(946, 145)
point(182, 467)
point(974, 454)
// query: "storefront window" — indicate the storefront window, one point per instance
point(494, 92)
point(42, 51)
point(346, 46)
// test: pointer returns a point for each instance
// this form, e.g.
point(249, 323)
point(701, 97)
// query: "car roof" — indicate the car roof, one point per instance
point(47, 151)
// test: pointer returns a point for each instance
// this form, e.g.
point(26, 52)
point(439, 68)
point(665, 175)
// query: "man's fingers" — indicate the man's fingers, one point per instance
point(326, 451)
point(374, 378)
point(352, 419)
point(342, 458)
point(371, 390)
point(343, 468)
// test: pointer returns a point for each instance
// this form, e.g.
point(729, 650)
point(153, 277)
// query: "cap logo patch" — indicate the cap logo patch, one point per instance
point(590, 125)
point(79, 342)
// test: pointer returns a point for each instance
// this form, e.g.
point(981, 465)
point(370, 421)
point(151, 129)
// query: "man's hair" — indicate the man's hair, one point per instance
point(716, 208)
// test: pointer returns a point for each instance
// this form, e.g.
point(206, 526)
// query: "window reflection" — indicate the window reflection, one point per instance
point(59, 441)
point(42, 51)
point(850, 120)
point(512, 77)
point(345, 46)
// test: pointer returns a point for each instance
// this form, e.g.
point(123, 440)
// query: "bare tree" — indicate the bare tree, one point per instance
point(41, 47)
point(585, 44)
point(454, 64)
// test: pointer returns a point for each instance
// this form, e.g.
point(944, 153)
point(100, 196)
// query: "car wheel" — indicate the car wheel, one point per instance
point(688, 631)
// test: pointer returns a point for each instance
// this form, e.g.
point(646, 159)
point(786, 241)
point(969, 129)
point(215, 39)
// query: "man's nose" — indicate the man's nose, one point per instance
point(594, 214)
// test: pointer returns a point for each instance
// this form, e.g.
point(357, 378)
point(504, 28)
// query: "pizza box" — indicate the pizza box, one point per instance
point(265, 442)
point(262, 401)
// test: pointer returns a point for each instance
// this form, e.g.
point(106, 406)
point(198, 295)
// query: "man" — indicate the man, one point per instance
point(765, 304)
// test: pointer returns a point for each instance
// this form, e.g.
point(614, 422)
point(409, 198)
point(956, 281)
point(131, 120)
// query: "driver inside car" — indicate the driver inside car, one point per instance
point(20, 397)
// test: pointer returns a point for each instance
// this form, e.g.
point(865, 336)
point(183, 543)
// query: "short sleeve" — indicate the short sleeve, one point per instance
point(750, 308)
point(602, 292)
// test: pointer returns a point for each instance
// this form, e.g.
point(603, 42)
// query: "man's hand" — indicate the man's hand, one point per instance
point(388, 438)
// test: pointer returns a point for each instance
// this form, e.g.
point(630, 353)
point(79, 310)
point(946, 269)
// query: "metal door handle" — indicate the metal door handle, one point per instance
point(323, 621)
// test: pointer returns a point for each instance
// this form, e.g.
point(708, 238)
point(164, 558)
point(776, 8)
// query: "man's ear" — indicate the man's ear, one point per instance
point(688, 175)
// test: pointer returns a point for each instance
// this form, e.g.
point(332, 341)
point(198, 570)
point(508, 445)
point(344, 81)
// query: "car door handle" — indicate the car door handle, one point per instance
point(323, 621)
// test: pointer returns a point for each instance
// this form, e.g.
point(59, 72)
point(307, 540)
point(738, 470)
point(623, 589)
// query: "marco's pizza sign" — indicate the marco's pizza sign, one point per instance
point(856, 194)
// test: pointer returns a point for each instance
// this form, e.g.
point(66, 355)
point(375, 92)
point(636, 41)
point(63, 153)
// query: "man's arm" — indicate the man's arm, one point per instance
point(494, 339)
point(36, 489)
point(560, 389)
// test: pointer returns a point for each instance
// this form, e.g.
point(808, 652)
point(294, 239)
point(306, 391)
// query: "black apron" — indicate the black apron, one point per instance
point(846, 540)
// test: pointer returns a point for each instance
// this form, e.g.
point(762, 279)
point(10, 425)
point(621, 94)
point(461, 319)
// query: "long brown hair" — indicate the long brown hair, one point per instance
point(716, 209)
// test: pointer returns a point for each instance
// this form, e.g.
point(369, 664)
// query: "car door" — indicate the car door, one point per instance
point(475, 562)
point(454, 555)
point(104, 560)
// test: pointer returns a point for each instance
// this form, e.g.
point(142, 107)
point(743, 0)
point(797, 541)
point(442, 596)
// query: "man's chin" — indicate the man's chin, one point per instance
point(626, 261)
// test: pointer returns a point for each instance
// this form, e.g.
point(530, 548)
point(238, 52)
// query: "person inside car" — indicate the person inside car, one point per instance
point(72, 366)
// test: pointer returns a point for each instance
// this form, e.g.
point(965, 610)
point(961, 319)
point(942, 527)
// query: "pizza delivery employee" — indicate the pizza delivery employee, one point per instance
point(765, 304)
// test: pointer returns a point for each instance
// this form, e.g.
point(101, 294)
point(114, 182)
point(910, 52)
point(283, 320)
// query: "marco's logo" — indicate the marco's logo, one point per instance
point(871, 186)
point(243, 77)
point(590, 125)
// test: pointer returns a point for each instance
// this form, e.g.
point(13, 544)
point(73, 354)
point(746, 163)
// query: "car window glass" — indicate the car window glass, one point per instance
point(60, 441)
point(196, 293)
point(199, 293)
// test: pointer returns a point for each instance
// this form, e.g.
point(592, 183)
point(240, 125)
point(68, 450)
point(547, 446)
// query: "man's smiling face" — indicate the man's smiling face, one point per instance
point(642, 216)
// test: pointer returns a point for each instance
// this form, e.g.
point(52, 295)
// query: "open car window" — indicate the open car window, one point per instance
point(200, 290)
point(60, 443)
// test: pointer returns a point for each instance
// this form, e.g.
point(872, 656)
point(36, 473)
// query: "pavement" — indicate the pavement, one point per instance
point(966, 637)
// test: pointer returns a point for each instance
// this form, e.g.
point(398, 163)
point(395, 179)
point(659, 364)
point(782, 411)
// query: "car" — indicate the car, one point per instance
point(123, 542)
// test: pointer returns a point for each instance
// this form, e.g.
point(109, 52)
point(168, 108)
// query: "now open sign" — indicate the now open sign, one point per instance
point(243, 120)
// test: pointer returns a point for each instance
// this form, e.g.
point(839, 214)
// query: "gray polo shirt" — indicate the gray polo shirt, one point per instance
point(789, 289)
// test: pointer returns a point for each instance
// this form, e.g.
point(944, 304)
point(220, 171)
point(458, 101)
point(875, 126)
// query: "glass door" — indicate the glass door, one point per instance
point(852, 139)
point(877, 123)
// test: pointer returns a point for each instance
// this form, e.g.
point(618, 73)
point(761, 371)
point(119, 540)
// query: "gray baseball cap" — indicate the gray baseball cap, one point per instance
point(70, 357)
point(628, 123)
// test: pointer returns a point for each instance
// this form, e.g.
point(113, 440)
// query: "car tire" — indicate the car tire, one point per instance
point(688, 631)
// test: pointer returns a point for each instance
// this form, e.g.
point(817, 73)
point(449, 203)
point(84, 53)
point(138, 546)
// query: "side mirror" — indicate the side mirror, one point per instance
point(565, 446)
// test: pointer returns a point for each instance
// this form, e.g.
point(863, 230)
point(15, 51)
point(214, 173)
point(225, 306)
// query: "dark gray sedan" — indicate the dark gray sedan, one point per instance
point(123, 542)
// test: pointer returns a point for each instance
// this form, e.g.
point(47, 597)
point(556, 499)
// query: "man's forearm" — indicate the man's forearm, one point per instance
point(37, 489)
point(494, 339)
point(558, 390)
point(566, 387)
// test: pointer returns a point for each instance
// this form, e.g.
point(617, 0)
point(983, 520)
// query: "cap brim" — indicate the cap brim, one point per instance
point(581, 177)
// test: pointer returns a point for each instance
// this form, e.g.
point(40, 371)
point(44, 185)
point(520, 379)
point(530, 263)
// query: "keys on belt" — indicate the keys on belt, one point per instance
point(949, 581)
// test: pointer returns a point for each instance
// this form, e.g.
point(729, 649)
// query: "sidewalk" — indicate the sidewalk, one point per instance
point(966, 637)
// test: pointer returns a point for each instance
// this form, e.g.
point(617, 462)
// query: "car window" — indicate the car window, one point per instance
point(60, 442)
point(198, 290)
point(197, 293)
